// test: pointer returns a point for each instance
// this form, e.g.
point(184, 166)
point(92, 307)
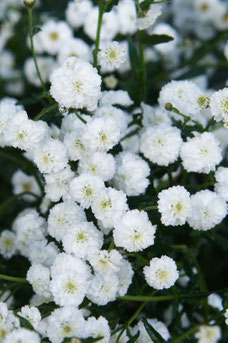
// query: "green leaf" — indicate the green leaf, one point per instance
point(154, 39)
point(220, 241)
point(91, 340)
point(109, 5)
point(144, 6)
point(134, 338)
point(32, 99)
point(35, 30)
point(25, 323)
point(154, 335)
point(2, 266)
point(134, 58)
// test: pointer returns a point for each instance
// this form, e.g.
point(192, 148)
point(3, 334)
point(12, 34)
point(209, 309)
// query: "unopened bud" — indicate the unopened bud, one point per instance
point(168, 106)
point(29, 3)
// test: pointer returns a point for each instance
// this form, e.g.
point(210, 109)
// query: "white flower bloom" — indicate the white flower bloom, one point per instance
point(53, 35)
point(219, 106)
point(42, 252)
point(161, 144)
point(39, 277)
point(215, 301)
point(99, 328)
point(102, 134)
point(98, 164)
point(50, 157)
point(121, 117)
point(24, 133)
point(62, 217)
point(76, 84)
point(32, 314)
point(109, 27)
point(104, 261)
point(109, 206)
point(103, 288)
point(85, 188)
point(221, 186)
point(8, 109)
point(76, 145)
point(151, 15)
point(57, 184)
point(8, 245)
point(153, 116)
point(206, 9)
point(111, 55)
point(162, 272)
point(24, 183)
point(183, 95)
point(208, 210)
point(127, 17)
point(174, 205)
point(144, 337)
point(125, 275)
point(134, 232)
point(201, 153)
point(74, 47)
point(77, 12)
point(69, 282)
point(22, 336)
point(83, 240)
point(208, 334)
point(110, 81)
point(46, 65)
point(226, 316)
point(132, 183)
point(65, 322)
point(169, 47)
point(72, 123)
point(118, 97)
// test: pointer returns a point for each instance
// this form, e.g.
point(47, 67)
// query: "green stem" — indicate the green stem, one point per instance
point(135, 314)
point(46, 110)
point(143, 69)
point(97, 42)
point(80, 117)
point(11, 199)
point(211, 121)
point(33, 49)
point(12, 278)
point(186, 334)
point(171, 108)
point(111, 246)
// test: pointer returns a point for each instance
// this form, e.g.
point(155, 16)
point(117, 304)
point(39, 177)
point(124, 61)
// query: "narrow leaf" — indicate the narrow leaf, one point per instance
point(134, 338)
point(154, 39)
point(35, 30)
point(25, 323)
point(154, 335)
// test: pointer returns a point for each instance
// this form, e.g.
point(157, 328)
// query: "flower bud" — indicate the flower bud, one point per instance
point(168, 106)
point(29, 3)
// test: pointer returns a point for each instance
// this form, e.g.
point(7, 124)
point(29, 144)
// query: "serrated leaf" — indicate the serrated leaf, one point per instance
point(154, 39)
point(154, 335)
point(35, 30)
point(134, 338)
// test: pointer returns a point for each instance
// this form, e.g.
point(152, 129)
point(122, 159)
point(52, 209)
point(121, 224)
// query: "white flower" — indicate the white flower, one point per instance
point(24, 183)
point(50, 157)
point(134, 232)
point(98, 164)
point(183, 95)
point(131, 174)
point(77, 12)
point(208, 210)
point(174, 205)
point(99, 328)
point(125, 275)
point(65, 322)
point(62, 217)
point(83, 240)
point(219, 106)
point(109, 27)
point(122, 118)
point(169, 47)
point(53, 35)
point(102, 134)
point(221, 186)
point(42, 252)
point(127, 17)
point(85, 188)
point(226, 316)
point(161, 144)
point(103, 288)
point(105, 261)
point(150, 16)
point(32, 314)
point(39, 277)
point(75, 144)
point(8, 109)
point(111, 55)
point(76, 84)
point(201, 153)
point(45, 64)
point(22, 336)
point(57, 184)
point(153, 116)
point(208, 334)
point(162, 272)
point(215, 301)
point(74, 47)
point(8, 245)
point(109, 206)
point(144, 337)
point(118, 97)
